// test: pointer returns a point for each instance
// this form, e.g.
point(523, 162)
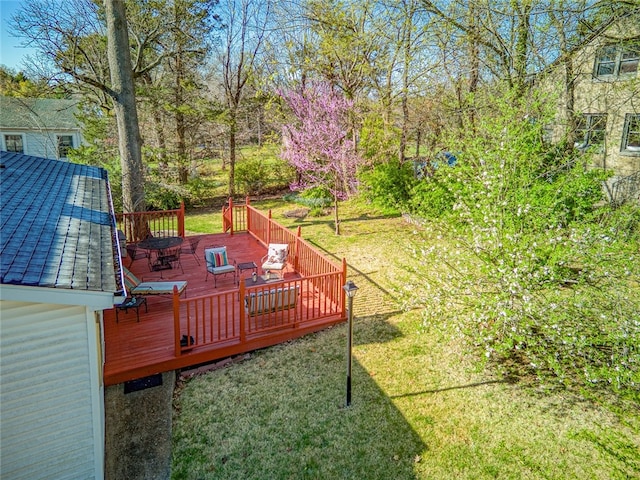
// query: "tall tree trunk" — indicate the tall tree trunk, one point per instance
point(522, 46)
point(474, 65)
point(336, 218)
point(183, 171)
point(233, 127)
point(569, 83)
point(156, 115)
point(124, 99)
point(407, 38)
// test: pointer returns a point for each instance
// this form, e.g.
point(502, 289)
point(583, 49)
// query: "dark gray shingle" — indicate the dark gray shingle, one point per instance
point(56, 226)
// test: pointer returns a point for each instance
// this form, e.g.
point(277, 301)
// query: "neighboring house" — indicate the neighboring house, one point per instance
point(606, 97)
point(58, 264)
point(42, 127)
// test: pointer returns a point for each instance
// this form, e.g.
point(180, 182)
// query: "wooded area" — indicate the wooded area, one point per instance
point(209, 74)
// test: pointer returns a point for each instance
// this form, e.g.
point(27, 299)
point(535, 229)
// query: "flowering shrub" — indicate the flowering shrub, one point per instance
point(543, 275)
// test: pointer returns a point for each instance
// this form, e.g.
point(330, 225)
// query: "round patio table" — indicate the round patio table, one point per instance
point(160, 244)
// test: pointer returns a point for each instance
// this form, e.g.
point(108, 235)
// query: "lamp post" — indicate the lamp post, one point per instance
point(350, 288)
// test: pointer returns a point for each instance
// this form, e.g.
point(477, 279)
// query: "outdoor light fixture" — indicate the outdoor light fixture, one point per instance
point(350, 288)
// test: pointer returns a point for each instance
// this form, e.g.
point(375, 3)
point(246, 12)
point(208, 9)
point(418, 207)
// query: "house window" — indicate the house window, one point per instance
point(65, 143)
point(617, 60)
point(631, 135)
point(14, 143)
point(590, 131)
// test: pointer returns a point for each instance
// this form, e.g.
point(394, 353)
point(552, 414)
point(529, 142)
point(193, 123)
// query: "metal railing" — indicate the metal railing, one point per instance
point(626, 189)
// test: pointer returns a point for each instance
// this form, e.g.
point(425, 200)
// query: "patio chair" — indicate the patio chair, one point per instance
point(136, 252)
point(166, 259)
point(137, 287)
point(276, 258)
point(191, 246)
point(218, 263)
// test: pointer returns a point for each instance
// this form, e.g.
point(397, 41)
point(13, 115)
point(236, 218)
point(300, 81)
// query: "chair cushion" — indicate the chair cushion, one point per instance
point(158, 288)
point(217, 257)
point(221, 269)
point(272, 266)
point(277, 253)
point(130, 280)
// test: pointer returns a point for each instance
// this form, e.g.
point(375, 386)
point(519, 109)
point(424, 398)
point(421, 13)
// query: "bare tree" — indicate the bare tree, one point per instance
point(245, 27)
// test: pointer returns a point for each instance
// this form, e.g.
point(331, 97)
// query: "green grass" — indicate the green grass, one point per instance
point(421, 407)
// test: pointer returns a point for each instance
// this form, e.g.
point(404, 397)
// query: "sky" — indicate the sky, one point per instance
point(11, 55)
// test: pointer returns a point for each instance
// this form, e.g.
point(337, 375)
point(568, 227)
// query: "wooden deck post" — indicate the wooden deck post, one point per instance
point(243, 332)
point(231, 215)
point(246, 213)
point(181, 220)
point(296, 260)
point(343, 293)
point(176, 321)
point(269, 227)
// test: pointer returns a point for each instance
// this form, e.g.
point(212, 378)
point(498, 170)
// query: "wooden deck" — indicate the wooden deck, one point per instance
point(136, 349)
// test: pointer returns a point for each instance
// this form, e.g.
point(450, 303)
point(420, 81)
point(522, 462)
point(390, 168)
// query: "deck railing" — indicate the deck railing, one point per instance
point(212, 319)
point(139, 225)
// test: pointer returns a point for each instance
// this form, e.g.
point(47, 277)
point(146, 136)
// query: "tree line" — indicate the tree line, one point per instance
point(190, 79)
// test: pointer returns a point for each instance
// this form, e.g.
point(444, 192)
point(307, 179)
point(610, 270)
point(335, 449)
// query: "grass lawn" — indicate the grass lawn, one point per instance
point(421, 408)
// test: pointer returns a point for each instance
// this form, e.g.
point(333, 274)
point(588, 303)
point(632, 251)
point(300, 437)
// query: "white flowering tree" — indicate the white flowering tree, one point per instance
point(542, 271)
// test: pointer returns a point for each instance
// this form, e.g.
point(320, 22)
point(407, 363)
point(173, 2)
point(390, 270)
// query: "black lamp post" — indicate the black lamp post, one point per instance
point(350, 288)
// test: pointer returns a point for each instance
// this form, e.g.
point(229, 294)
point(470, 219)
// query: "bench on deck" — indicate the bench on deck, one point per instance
point(274, 300)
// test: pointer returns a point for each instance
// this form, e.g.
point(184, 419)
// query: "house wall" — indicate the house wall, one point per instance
point(51, 394)
point(615, 97)
point(40, 143)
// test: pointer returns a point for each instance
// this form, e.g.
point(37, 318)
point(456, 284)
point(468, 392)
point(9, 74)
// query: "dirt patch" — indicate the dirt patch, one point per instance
point(138, 431)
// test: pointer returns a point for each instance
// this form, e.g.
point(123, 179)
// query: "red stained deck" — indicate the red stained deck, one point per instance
point(136, 349)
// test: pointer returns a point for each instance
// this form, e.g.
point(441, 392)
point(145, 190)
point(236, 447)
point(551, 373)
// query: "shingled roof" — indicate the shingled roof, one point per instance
point(56, 224)
point(38, 113)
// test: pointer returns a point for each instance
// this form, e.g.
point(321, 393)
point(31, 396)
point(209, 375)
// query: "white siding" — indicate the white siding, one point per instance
point(50, 405)
point(41, 143)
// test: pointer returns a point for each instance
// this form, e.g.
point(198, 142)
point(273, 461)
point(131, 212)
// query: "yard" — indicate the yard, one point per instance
point(421, 407)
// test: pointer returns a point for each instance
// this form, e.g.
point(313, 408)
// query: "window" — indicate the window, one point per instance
point(590, 131)
point(617, 60)
point(65, 143)
point(631, 135)
point(14, 143)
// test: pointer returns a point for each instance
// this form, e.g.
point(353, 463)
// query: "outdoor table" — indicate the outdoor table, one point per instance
point(246, 266)
point(132, 302)
point(261, 280)
point(160, 244)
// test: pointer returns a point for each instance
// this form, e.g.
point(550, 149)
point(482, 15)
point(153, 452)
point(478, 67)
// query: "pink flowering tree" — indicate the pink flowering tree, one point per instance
point(318, 145)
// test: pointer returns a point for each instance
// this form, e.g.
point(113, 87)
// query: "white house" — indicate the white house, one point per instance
point(58, 264)
point(42, 127)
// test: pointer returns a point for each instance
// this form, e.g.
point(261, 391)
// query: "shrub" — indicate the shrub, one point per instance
point(388, 184)
point(543, 275)
point(251, 176)
point(162, 196)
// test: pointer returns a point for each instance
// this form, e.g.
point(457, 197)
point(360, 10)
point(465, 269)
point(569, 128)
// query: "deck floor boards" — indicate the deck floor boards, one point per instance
point(135, 349)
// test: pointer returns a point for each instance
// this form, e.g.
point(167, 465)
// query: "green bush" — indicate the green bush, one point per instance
point(388, 184)
point(434, 196)
point(160, 196)
point(252, 176)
